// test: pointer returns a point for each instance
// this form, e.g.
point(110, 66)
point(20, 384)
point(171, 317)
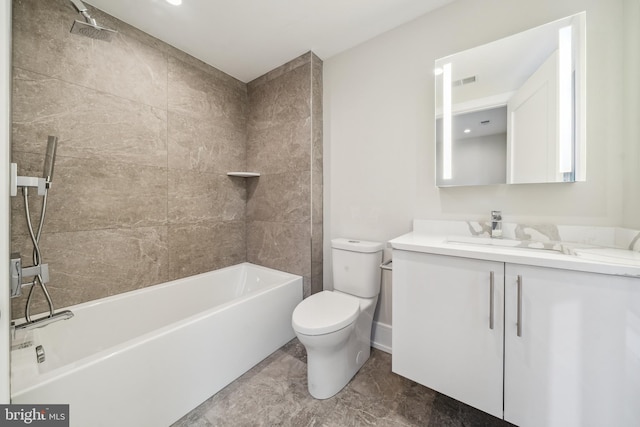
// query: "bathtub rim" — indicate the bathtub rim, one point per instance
point(174, 282)
point(85, 362)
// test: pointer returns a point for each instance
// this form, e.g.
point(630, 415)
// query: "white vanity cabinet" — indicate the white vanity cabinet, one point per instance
point(574, 362)
point(577, 359)
point(443, 336)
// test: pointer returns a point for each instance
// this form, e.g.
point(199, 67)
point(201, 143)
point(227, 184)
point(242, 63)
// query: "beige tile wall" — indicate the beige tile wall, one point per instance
point(284, 206)
point(146, 134)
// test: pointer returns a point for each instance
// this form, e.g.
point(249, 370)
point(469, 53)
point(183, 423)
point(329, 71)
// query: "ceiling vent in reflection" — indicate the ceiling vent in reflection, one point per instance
point(465, 81)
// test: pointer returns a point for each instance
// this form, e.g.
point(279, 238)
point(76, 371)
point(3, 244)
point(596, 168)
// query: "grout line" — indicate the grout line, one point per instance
point(93, 89)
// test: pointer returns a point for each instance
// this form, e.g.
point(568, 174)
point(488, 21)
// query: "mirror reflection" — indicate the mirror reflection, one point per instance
point(512, 111)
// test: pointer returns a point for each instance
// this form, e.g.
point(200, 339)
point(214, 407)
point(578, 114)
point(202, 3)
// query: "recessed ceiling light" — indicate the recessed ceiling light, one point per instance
point(175, 2)
point(467, 130)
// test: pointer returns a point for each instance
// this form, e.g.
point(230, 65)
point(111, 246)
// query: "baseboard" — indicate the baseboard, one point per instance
point(381, 337)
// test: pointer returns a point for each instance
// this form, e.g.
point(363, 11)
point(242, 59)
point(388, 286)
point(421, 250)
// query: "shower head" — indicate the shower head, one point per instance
point(50, 158)
point(89, 28)
point(93, 31)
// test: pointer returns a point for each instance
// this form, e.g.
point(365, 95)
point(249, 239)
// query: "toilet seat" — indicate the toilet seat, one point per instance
point(325, 312)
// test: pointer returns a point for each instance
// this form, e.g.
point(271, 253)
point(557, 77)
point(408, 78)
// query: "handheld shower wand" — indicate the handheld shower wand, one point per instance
point(50, 158)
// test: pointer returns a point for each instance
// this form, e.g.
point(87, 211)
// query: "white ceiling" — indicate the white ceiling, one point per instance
point(247, 38)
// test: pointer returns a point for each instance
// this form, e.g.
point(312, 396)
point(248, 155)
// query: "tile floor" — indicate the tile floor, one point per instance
point(274, 393)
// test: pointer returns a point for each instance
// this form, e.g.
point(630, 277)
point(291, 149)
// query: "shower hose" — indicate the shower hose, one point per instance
point(35, 239)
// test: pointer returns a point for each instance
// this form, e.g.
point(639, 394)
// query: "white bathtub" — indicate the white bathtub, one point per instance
point(147, 357)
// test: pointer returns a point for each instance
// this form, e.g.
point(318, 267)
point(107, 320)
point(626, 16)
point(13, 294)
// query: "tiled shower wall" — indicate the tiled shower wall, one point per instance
point(284, 206)
point(146, 134)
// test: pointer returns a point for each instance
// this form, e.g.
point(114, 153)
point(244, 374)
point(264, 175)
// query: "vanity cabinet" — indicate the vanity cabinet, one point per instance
point(577, 359)
point(574, 360)
point(442, 332)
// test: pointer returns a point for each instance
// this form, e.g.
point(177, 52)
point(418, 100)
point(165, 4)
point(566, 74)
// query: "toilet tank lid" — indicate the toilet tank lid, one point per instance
point(355, 245)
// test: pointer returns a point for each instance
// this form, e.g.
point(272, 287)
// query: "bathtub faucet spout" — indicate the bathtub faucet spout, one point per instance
point(44, 321)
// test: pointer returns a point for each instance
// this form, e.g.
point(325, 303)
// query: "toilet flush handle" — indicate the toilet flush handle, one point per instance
point(388, 265)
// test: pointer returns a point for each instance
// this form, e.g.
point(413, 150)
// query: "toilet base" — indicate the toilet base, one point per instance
point(333, 359)
point(329, 369)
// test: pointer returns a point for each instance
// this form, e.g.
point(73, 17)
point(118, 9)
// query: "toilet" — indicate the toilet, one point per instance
point(335, 326)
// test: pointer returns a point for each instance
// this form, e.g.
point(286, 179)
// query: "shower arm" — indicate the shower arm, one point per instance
point(82, 9)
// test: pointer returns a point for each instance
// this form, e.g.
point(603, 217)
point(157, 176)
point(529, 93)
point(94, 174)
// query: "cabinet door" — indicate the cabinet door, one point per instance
point(442, 335)
point(577, 361)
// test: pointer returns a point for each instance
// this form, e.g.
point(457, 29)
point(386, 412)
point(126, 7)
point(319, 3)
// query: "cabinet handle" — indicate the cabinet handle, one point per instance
point(519, 331)
point(491, 294)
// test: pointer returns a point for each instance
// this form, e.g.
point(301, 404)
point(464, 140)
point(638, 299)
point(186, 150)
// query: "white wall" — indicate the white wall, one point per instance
point(379, 131)
point(631, 66)
point(5, 132)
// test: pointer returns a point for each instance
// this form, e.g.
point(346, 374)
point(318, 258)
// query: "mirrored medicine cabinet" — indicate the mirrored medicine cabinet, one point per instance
point(513, 111)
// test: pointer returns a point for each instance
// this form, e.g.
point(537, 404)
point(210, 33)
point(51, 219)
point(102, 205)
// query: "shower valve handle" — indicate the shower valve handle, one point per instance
point(18, 273)
point(15, 266)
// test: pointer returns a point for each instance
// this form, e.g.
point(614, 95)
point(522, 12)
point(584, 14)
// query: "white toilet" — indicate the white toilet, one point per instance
point(335, 326)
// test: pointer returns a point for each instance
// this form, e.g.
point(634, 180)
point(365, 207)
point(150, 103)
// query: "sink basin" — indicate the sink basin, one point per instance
point(507, 243)
point(479, 240)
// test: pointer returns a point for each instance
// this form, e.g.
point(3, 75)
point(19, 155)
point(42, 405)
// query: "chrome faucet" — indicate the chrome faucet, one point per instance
point(496, 224)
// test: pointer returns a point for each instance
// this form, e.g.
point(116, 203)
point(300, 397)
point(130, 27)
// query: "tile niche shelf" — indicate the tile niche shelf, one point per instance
point(244, 174)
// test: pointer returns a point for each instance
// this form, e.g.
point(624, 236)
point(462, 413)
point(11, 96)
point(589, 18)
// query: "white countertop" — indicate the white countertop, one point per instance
point(596, 260)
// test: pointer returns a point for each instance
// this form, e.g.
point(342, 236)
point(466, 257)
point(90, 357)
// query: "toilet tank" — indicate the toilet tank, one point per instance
point(356, 266)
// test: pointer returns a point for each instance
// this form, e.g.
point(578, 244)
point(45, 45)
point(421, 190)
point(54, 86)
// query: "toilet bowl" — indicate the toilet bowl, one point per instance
point(335, 326)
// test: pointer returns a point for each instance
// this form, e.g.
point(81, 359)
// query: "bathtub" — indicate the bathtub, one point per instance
point(147, 357)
